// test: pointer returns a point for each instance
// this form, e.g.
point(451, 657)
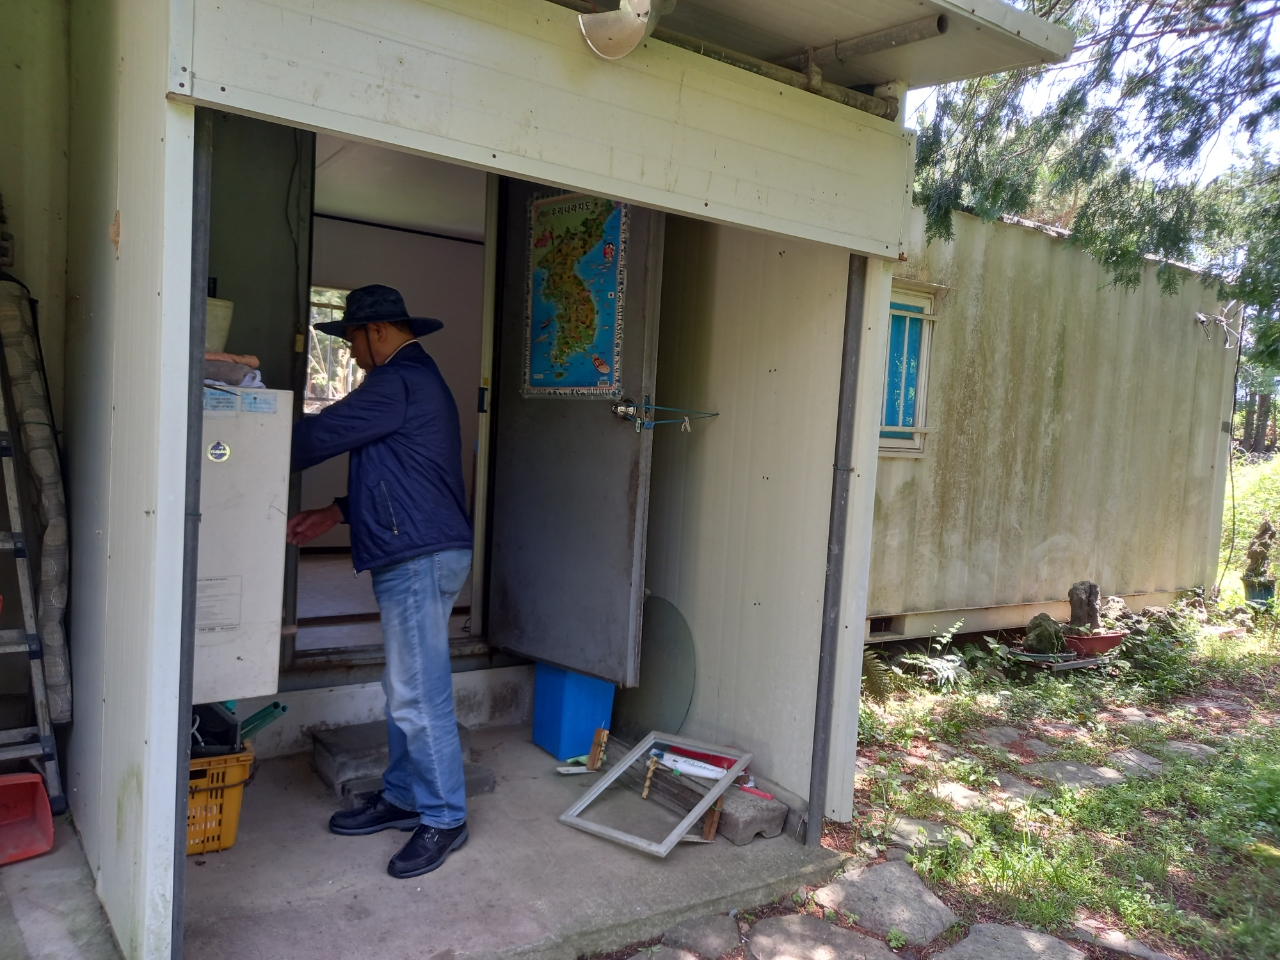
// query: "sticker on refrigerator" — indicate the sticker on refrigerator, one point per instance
point(218, 604)
point(258, 402)
point(220, 403)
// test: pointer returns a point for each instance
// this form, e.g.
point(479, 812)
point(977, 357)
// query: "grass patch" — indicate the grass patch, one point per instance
point(1188, 860)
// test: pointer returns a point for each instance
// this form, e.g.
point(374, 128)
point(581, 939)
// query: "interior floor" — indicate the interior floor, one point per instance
point(48, 907)
point(524, 885)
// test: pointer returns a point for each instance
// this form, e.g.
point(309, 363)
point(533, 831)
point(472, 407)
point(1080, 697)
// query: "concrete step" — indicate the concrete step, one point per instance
point(350, 761)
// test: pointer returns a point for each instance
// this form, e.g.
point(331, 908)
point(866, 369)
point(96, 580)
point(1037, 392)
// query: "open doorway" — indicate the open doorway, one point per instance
point(417, 225)
point(557, 474)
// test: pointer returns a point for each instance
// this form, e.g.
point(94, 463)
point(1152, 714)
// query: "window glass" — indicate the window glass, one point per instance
point(331, 369)
point(906, 372)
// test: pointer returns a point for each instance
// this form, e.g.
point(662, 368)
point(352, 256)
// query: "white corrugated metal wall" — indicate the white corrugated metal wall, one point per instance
point(1077, 432)
point(129, 296)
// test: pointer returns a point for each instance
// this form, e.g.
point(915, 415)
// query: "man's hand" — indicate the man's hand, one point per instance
point(309, 524)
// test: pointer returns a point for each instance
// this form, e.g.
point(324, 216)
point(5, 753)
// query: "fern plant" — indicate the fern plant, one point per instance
point(877, 678)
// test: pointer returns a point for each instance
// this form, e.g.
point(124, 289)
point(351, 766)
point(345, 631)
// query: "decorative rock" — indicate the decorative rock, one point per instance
point(1113, 608)
point(914, 834)
point(1135, 763)
point(803, 937)
point(888, 897)
point(1016, 789)
point(1185, 750)
point(1116, 942)
point(1074, 775)
point(1086, 608)
point(993, 941)
point(709, 936)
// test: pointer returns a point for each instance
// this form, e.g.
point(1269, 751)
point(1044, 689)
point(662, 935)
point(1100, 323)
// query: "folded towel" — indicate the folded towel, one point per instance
point(246, 359)
point(227, 371)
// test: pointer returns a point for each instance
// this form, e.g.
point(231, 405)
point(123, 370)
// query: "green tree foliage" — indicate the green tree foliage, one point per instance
point(1109, 141)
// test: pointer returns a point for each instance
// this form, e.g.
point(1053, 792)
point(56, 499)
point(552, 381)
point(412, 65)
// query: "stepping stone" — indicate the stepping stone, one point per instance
point(1074, 775)
point(1056, 728)
point(1116, 942)
point(800, 936)
point(960, 796)
point(945, 751)
point(997, 736)
point(709, 936)
point(1038, 747)
point(993, 941)
point(1015, 789)
point(911, 834)
point(887, 897)
point(1185, 750)
point(676, 954)
point(1135, 763)
point(1132, 715)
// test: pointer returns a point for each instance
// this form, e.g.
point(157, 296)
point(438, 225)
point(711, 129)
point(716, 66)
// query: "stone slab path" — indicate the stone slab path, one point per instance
point(708, 936)
point(1074, 775)
point(994, 941)
point(890, 896)
point(802, 937)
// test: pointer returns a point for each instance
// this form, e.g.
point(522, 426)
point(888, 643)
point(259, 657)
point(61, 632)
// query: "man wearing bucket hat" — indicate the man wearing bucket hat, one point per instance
point(406, 507)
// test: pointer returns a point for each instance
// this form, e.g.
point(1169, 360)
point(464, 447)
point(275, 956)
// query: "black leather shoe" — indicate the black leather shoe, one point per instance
point(376, 814)
point(425, 851)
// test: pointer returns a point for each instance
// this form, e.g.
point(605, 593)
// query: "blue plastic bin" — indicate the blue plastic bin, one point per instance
point(567, 709)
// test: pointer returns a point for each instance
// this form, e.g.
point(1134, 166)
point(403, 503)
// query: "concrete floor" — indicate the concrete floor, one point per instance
point(48, 908)
point(525, 886)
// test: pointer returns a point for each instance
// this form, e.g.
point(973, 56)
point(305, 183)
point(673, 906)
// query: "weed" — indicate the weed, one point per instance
point(896, 938)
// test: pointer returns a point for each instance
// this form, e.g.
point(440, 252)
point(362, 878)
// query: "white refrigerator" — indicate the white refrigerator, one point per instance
point(244, 506)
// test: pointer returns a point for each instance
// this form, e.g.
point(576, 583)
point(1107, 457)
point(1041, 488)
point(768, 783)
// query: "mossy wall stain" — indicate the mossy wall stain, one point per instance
point(1075, 432)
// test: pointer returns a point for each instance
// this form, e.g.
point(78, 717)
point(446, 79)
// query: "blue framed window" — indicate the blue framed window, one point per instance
point(906, 372)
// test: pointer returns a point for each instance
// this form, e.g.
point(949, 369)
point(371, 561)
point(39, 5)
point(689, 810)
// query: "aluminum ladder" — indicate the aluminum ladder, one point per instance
point(32, 743)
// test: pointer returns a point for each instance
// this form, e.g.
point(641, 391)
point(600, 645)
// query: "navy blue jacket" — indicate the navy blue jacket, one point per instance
point(405, 495)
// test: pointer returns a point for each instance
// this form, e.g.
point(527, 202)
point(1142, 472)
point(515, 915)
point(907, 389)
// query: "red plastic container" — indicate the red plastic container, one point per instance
point(26, 825)
point(1096, 644)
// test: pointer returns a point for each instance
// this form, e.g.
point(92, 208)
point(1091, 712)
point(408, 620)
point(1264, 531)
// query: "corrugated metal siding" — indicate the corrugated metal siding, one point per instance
point(1077, 432)
point(751, 327)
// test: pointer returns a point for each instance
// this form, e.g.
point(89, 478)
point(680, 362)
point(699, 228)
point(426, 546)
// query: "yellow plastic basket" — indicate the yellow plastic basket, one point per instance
point(213, 800)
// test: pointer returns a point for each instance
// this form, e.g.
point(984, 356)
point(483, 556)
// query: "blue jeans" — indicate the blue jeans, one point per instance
point(416, 598)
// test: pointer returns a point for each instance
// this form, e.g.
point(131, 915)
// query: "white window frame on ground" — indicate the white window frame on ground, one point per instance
point(327, 354)
point(909, 440)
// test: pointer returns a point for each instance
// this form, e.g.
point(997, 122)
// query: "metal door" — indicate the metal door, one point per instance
point(571, 478)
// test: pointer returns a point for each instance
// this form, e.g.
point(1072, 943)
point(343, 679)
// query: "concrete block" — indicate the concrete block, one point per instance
point(890, 896)
point(710, 937)
point(803, 937)
point(746, 816)
point(357, 753)
point(993, 941)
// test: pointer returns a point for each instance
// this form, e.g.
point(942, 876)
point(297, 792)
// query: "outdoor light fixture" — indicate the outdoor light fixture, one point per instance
point(615, 33)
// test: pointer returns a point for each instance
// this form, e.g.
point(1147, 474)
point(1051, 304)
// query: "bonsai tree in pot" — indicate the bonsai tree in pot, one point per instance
point(1259, 581)
point(1086, 634)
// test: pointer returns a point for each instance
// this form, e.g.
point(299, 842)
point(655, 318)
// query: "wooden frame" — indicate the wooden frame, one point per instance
point(571, 816)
